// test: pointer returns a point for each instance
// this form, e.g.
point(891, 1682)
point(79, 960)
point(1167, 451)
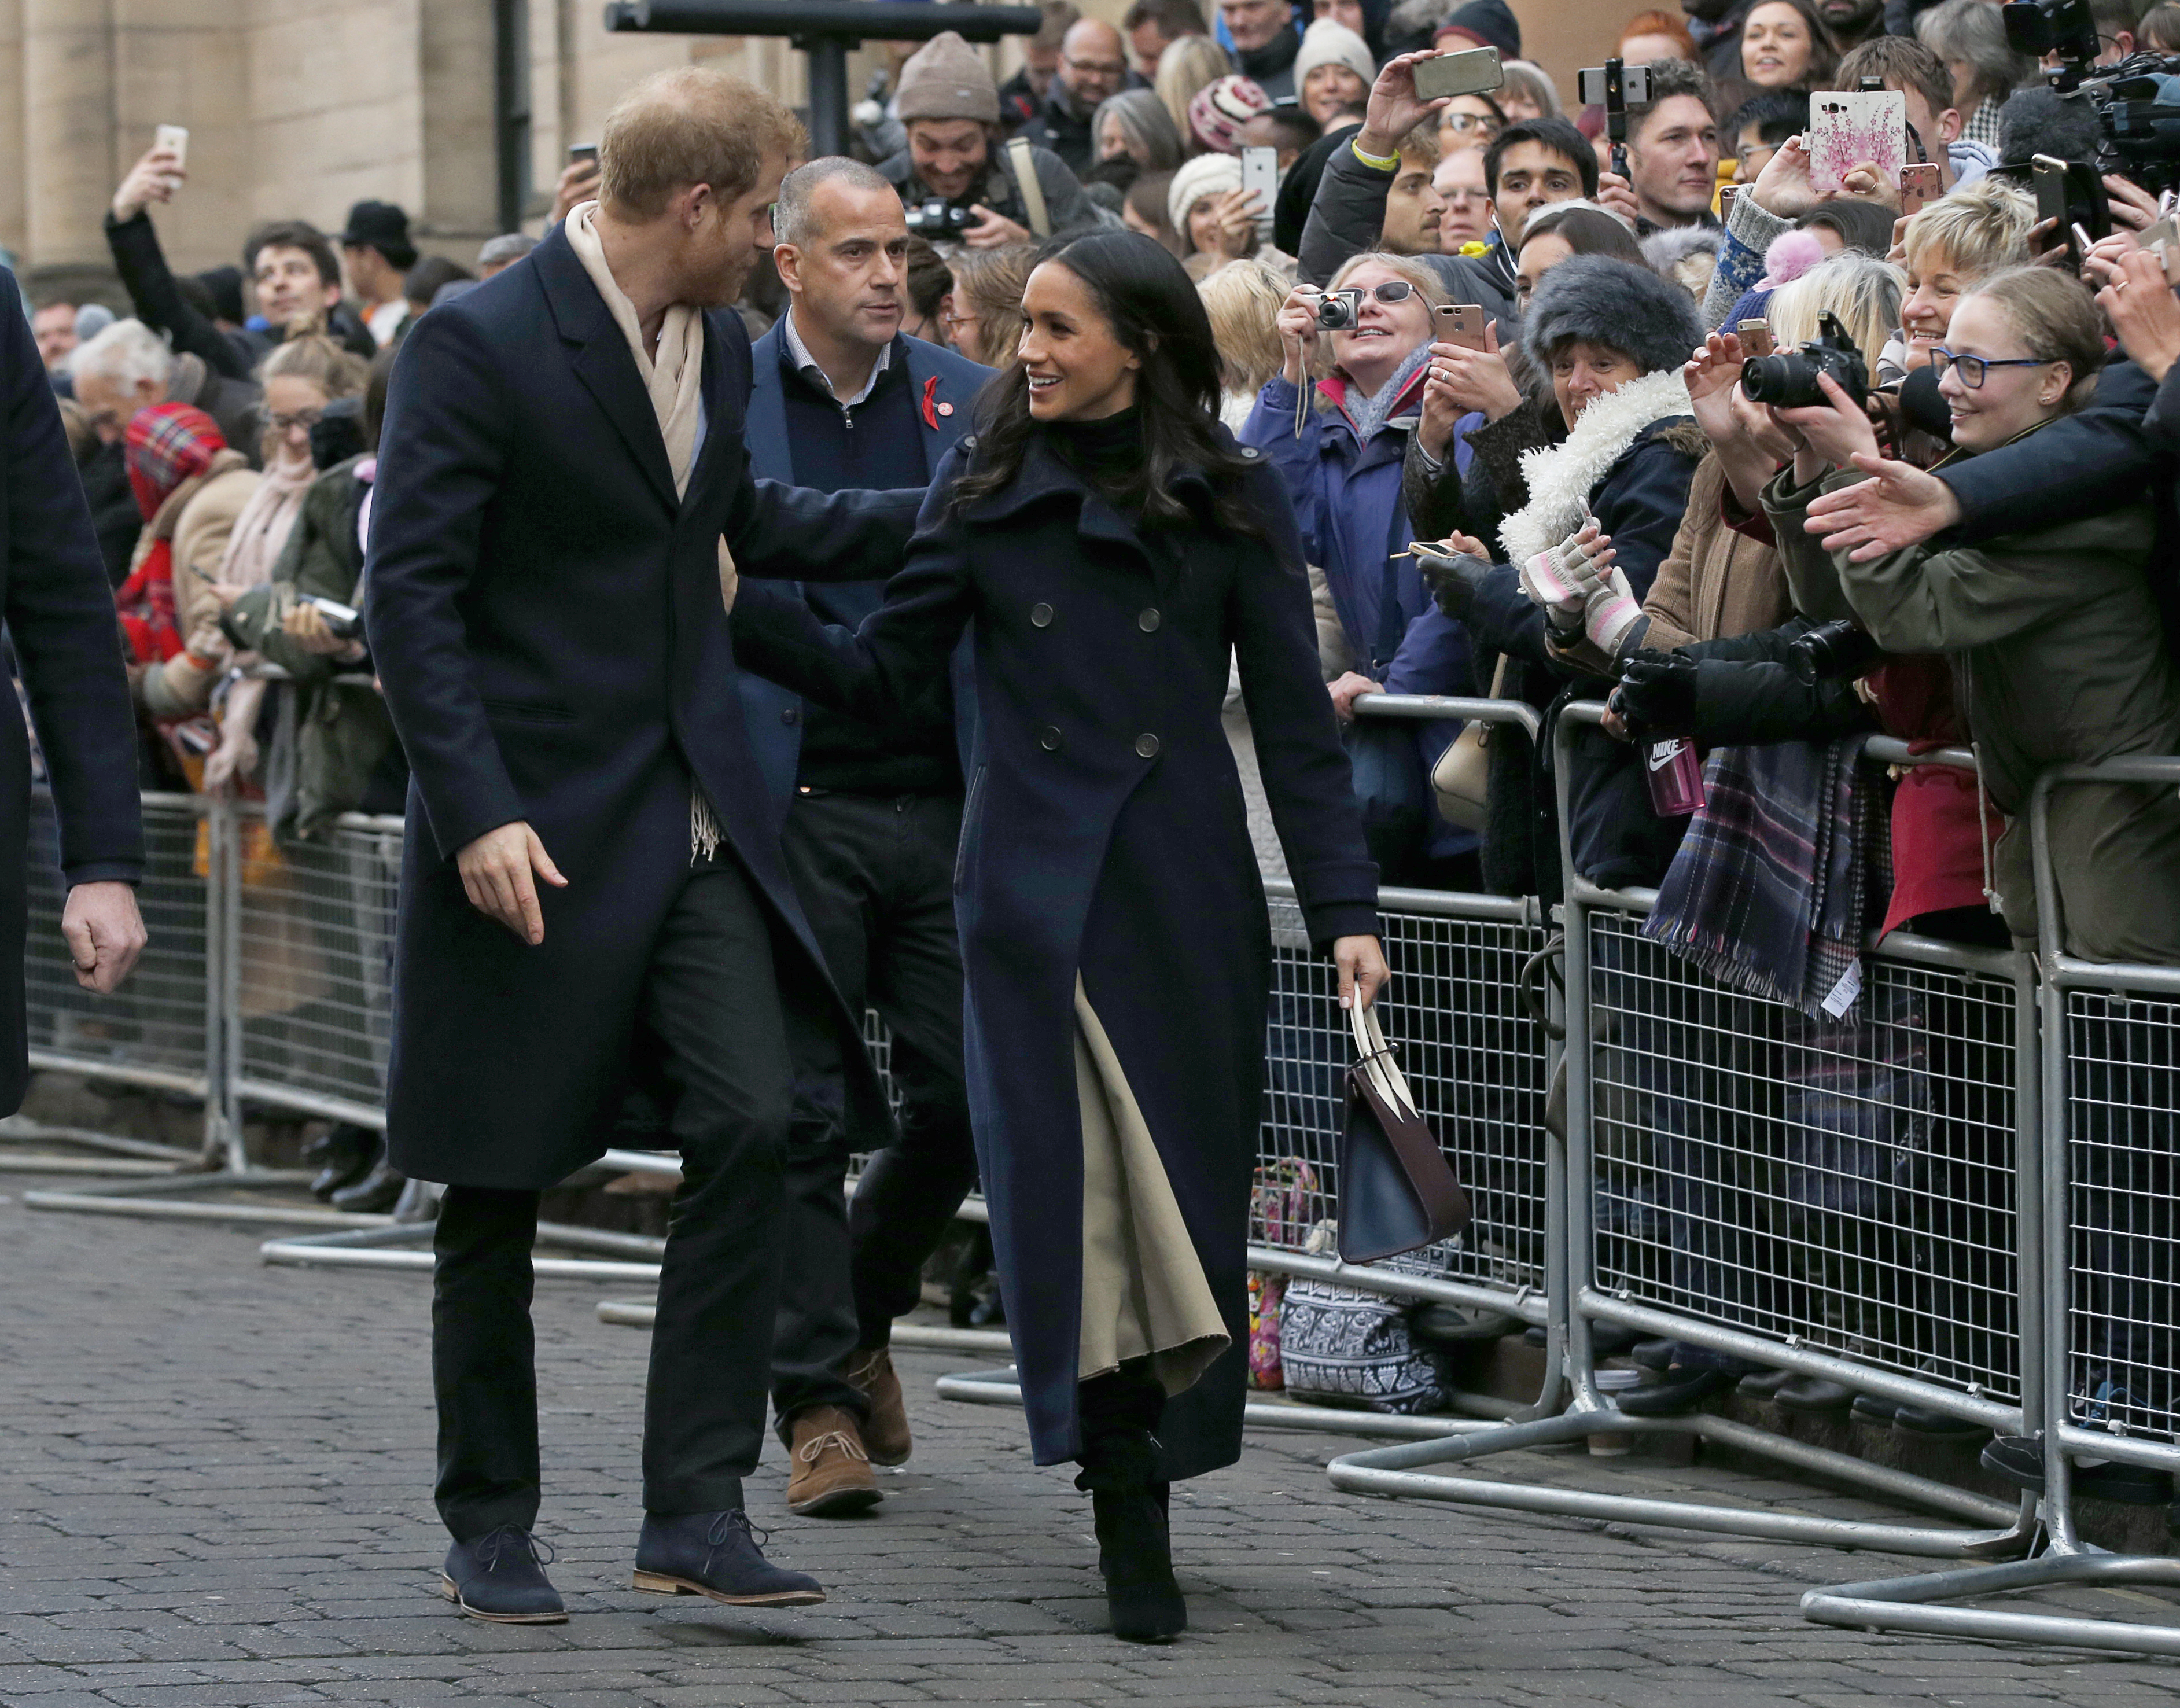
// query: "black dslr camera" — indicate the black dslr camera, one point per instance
point(936, 219)
point(1790, 381)
point(1339, 309)
point(1833, 652)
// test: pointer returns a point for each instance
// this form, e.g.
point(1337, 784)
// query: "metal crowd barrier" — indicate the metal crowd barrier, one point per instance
point(1837, 1201)
point(2109, 1377)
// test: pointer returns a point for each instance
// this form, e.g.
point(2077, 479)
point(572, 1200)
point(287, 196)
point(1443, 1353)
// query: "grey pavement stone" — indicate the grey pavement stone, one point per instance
point(215, 1489)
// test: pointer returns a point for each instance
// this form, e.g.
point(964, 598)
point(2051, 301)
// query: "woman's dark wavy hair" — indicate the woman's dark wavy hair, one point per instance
point(1151, 305)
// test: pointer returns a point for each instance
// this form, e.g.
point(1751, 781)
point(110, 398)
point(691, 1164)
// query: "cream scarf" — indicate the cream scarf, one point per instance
point(675, 383)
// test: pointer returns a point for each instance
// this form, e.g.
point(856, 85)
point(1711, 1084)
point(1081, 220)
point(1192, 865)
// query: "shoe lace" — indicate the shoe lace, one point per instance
point(727, 1523)
point(864, 1367)
point(817, 1446)
point(513, 1541)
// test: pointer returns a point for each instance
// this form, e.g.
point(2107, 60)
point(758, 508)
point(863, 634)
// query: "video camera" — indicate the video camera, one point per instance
point(2136, 102)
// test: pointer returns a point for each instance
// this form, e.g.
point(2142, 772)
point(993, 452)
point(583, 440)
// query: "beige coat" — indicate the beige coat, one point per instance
point(197, 518)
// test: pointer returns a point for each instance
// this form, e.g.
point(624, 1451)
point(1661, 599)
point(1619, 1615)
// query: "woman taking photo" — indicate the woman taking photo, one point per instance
point(1112, 547)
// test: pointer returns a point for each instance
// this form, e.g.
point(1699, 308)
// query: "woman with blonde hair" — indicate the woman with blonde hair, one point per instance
point(1243, 299)
point(1951, 246)
point(1187, 68)
point(982, 315)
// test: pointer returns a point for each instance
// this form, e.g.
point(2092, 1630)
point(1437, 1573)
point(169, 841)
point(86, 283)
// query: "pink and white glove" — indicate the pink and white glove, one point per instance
point(1560, 578)
point(1610, 611)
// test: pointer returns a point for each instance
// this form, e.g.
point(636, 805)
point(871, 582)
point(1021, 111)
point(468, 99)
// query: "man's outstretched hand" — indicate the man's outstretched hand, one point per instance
point(497, 875)
point(1899, 507)
point(105, 934)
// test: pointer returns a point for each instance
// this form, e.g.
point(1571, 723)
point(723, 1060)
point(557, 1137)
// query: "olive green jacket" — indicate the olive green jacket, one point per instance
point(2059, 657)
point(343, 730)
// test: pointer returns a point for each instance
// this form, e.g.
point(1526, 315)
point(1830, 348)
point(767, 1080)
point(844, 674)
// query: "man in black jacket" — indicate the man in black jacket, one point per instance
point(288, 262)
point(1093, 67)
point(59, 612)
point(591, 883)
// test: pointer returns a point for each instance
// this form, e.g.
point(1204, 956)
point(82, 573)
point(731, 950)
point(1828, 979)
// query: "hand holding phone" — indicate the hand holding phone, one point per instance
point(175, 140)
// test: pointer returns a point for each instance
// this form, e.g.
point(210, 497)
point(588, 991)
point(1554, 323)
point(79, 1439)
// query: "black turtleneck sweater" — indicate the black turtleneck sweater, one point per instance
point(1108, 452)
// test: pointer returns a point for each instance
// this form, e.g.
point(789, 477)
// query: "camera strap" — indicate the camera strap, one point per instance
point(1025, 184)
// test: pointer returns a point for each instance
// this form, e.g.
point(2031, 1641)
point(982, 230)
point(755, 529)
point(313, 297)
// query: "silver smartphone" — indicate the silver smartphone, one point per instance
point(1475, 72)
point(175, 140)
point(1260, 178)
point(1593, 84)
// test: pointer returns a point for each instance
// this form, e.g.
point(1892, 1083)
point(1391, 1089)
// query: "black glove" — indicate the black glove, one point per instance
point(1657, 695)
point(1454, 581)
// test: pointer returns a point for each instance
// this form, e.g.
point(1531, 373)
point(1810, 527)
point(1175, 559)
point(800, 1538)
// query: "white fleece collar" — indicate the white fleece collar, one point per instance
point(1560, 476)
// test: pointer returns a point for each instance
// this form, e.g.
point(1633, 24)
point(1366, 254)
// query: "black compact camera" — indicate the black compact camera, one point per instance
point(1833, 652)
point(1789, 381)
point(935, 219)
point(1340, 310)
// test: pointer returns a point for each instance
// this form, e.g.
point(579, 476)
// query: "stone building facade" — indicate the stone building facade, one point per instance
point(300, 108)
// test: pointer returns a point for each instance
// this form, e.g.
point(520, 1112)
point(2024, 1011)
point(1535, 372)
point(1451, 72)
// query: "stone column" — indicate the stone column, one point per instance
point(67, 116)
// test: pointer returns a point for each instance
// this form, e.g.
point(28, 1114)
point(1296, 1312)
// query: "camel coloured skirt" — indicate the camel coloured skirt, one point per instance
point(1144, 1295)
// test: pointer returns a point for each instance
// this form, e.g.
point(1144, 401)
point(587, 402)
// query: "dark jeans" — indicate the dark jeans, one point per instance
point(710, 1020)
point(875, 874)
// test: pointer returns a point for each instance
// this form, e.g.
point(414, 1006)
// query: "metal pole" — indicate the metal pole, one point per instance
point(828, 91)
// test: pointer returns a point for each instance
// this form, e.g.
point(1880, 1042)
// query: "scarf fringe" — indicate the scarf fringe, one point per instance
point(704, 832)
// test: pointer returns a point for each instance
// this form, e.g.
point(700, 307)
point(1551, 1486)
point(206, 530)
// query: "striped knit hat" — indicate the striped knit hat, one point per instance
point(1221, 108)
point(165, 446)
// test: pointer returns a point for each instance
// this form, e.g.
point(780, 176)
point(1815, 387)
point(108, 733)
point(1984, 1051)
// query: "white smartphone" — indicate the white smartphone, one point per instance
point(1260, 178)
point(175, 139)
point(1848, 128)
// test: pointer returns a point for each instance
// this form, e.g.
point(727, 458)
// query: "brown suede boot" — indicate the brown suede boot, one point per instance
point(829, 1473)
point(885, 1431)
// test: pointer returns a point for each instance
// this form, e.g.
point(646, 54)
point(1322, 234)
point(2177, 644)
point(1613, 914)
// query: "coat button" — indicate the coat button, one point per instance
point(1040, 616)
point(1148, 746)
point(1049, 738)
point(791, 715)
point(1148, 622)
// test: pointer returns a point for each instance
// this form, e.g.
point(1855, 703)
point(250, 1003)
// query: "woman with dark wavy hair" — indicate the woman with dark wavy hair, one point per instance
point(1109, 548)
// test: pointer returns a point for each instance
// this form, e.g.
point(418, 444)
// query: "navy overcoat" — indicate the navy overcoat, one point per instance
point(546, 620)
point(58, 608)
point(1105, 834)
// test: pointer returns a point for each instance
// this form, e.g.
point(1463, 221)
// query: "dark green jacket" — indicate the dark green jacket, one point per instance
point(342, 731)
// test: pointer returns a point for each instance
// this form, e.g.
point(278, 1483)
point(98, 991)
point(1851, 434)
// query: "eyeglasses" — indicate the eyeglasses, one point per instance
point(1973, 368)
point(1097, 68)
point(1468, 121)
point(305, 419)
point(1393, 290)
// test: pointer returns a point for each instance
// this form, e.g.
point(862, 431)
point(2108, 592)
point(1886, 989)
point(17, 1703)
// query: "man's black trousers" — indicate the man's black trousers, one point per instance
point(875, 875)
point(711, 1020)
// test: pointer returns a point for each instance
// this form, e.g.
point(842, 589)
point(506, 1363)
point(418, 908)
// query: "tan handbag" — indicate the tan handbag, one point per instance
point(1461, 779)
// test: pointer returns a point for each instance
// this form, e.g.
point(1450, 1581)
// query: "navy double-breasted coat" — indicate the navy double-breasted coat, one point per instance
point(1105, 834)
point(58, 608)
point(545, 618)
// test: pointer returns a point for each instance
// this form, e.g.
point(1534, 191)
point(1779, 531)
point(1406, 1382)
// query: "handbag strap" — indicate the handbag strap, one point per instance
point(1377, 1061)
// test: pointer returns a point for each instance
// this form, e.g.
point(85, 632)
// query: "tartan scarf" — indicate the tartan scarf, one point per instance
point(162, 446)
point(1775, 882)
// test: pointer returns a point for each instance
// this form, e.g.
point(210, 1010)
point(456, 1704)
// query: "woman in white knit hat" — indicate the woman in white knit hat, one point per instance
point(1333, 72)
point(1216, 219)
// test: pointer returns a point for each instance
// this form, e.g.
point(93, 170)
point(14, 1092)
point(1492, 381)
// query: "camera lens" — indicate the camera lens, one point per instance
point(1785, 381)
point(1832, 651)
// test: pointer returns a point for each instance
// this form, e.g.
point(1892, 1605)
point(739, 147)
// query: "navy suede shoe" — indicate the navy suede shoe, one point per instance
point(716, 1554)
point(500, 1577)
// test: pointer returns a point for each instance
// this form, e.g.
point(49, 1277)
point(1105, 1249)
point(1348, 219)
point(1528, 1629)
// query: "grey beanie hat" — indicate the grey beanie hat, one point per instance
point(1594, 299)
point(946, 77)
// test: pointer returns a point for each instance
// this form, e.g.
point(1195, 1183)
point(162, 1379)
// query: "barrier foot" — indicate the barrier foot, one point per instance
point(1398, 1473)
point(1000, 1388)
point(1905, 1604)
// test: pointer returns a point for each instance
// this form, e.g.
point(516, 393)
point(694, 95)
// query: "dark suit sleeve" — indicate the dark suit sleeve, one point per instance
point(2100, 458)
point(442, 452)
point(887, 666)
point(1308, 781)
point(158, 300)
point(790, 533)
point(60, 612)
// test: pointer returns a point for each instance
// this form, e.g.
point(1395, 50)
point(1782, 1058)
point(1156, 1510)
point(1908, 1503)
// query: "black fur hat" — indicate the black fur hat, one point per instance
point(1594, 299)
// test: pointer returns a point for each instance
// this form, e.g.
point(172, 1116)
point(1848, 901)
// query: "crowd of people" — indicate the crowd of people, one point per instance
point(1564, 408)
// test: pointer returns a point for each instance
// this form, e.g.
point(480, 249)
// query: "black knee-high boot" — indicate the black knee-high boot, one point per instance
point(1120, 1470)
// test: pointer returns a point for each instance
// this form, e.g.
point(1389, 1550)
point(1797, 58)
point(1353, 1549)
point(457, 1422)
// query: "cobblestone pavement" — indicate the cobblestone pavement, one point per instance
point(214, 1490)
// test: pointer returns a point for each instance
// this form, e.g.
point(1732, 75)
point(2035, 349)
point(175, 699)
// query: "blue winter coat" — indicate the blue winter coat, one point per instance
point(1105, 835)
point(1347, 502)
point(772, 714)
